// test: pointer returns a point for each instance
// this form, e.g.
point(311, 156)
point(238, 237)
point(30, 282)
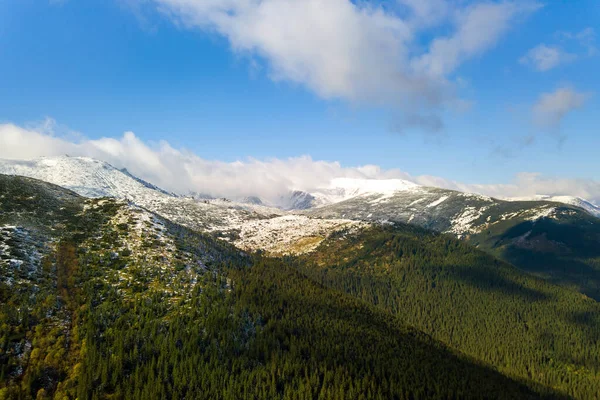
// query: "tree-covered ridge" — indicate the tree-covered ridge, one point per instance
point(556, 241)
point(268, 332)
point(563, 250)
point(469, 300)
point(123, 304)
point(40, 347)
point(57, 250)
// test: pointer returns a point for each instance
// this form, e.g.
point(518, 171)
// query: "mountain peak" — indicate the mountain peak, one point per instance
point(87, 176)
point(360, 186)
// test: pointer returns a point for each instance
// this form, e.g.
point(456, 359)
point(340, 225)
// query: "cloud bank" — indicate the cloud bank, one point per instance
point(182, 171)
point(400, 54)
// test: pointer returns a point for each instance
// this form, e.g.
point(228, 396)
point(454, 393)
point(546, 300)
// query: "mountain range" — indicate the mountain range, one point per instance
point(557, 238)
point(447, 294)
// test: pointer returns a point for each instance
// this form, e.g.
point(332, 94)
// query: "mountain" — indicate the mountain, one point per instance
point(92, 178)
point(574, 201)
point(62, 254)
point(297, 200)
point(442, 210)
point(556, 241)
point(184, 315)
point(86, 176)
point(340, 189)
point(252, 200)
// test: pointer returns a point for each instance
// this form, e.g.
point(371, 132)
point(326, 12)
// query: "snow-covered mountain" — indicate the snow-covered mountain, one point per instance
point(93, 178)
point(328, 207)
point(572, 200)
point(341, 189)
point(85, 176)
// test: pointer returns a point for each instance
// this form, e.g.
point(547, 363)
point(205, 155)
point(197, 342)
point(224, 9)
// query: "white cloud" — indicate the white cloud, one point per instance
point(180, 170)
point(530, 184)
point(544, 58)
point(358, 51)
point(551, 108)
point(478, 28)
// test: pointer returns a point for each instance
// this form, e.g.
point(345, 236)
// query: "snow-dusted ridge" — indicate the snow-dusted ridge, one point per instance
point(570, 200)
point(290, 234)
point(253, 224)
point(86, 176)
point(93, 178)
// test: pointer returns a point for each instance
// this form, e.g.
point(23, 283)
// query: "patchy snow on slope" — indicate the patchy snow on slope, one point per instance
point(570, 200)
point(541, 212)
point(340, 189)
point(438, 202)
point(417, 201)
point(289, 234)
point(20, 254)
point(463, 223)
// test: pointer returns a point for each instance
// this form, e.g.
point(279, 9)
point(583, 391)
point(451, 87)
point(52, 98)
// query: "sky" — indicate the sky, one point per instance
point(495, 96)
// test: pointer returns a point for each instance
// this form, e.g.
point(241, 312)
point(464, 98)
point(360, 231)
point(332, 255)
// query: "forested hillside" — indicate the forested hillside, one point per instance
point(471, 301)
point(557, 242)
point(564, 250)
point(101, 299)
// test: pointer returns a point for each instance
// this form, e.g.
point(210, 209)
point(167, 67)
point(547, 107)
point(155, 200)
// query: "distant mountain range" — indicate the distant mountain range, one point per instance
point(94, 178)
point(550, 236)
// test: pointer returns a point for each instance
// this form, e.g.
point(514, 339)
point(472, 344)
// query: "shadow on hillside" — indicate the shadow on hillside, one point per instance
point(491, 280)
point(362, 335)
point(562, 253)
point(559, 270)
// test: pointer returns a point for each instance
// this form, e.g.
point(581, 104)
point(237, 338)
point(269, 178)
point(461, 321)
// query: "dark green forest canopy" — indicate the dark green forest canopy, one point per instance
point(522, 325)
point(564, 251)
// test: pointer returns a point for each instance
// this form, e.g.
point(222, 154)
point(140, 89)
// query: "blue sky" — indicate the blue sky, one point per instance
point(101, 68)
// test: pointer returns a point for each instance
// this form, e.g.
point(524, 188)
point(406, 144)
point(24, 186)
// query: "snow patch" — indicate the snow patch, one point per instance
point(289, 234)
point(438, 202)
point(462, 223)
